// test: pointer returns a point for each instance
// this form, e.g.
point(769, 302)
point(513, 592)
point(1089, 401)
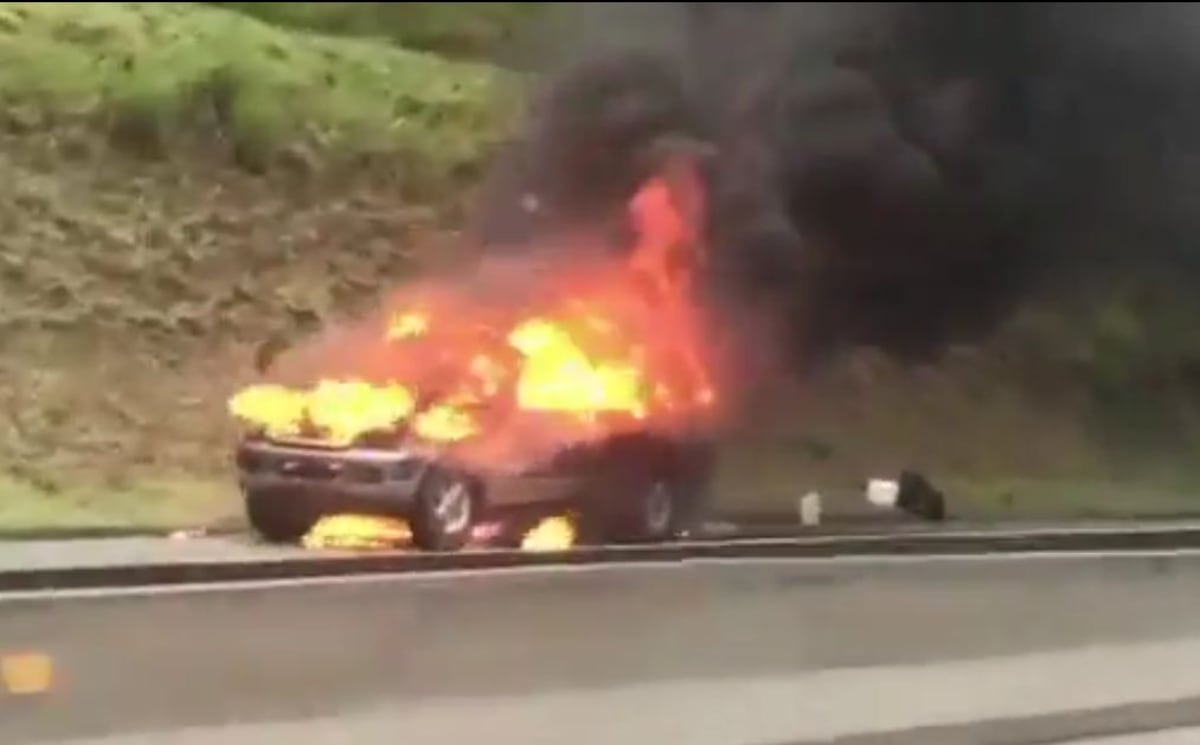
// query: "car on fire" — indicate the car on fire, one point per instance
point(593, 373)
point(631, 487)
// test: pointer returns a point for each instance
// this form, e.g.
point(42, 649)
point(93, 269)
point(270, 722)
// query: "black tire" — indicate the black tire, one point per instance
point(646, 488)
point(277, 519)
point(652, 515)
point(446, 511)
point(694, 482)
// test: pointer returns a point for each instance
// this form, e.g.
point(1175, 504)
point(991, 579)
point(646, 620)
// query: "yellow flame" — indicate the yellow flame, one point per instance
point(347, 409)
point(445, 423)
point(551, 534)
point(558, 376)
point(408, 326)
point(342, 410)
point(350, 531)
point(280, 410)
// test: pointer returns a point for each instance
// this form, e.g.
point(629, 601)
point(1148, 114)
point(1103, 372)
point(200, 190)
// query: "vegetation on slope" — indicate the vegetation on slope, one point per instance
point(159, 76)
point(177, 183)
point(476, 30)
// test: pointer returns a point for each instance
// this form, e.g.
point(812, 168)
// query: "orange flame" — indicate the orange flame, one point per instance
point(597, 345)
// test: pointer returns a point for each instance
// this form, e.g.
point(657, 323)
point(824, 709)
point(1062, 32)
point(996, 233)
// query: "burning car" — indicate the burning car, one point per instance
point(635, 487)
point(585, 392)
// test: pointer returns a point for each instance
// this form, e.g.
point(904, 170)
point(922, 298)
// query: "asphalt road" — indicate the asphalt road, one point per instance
point(756, 652)
point(101, 552)
point(1187, 736)
point(896, 704)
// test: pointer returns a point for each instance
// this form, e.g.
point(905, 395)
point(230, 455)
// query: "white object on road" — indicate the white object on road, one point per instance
point(809, 507)
point(883, 492)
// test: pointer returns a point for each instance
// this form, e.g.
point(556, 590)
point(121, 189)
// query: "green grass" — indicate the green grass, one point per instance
point(181, 503)
point(159, 73)
point(454, 29)
point(1017, 497)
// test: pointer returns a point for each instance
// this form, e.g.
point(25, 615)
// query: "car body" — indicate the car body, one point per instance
point(637, 486)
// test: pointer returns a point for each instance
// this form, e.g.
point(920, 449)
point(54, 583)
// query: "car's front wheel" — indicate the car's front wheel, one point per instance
point(276, 519)
point(445, 512)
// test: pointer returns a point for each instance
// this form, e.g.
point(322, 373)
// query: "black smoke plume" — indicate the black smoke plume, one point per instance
point(891, 174)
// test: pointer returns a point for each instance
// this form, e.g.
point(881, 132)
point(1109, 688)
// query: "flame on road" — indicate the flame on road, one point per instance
point(357, 532)
point(551, 534)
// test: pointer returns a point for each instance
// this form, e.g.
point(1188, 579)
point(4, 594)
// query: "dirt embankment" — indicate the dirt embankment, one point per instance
point(180, 183)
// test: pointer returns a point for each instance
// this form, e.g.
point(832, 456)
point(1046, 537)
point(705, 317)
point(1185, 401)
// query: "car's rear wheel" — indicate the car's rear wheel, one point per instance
point(275, 519)
point(446, 511)
point(651, 515)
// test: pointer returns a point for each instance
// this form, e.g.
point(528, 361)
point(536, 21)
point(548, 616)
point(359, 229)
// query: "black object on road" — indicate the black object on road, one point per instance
point(918, 496)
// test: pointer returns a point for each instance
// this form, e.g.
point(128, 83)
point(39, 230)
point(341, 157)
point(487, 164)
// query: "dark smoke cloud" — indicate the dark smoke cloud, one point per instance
point(894, 174)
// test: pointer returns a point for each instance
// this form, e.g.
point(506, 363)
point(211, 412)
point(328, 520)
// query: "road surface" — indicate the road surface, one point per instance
point(100, 552)
point(1187, 736)
point(753, 652)
point(897, 705)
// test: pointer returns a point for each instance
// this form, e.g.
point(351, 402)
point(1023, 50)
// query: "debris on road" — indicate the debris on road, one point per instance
point(809, 509)
point(918, 496)
point(912, 493)
point(882, 492)
point(188, 534)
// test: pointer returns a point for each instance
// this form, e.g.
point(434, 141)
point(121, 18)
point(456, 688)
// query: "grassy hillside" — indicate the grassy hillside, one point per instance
point(472, 30)
point(180, 181)
point(162, 76)
point(176, 183)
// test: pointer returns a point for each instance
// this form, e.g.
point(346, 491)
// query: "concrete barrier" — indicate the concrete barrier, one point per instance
point(147, 660)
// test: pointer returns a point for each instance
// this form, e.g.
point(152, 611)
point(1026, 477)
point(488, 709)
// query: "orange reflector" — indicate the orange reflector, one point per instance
point(26, 673)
